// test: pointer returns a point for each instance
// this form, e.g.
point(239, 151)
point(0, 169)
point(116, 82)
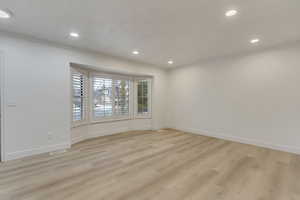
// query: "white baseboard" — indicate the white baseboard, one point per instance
point(35, 151)
point(280, 147)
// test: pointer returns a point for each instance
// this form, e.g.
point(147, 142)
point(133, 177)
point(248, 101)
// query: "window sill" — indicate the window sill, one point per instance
point(109, 120)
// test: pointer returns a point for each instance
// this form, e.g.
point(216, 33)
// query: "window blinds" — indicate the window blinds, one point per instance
point(99, 97)
point(142, 96)
point(102, 97)
point(78, 83)
point(121, 97)
point(110, 97)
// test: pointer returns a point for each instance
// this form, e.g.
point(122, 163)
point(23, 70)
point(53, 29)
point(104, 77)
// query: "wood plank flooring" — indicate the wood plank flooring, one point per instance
point(161, 165)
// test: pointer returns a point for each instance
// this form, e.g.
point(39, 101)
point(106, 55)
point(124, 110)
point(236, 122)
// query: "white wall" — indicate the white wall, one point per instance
point(251, 98)
point(101, 129)
point(37, 95)
point(1, 105)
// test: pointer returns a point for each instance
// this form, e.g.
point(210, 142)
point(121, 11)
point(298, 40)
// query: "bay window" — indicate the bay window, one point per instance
point(110, 97)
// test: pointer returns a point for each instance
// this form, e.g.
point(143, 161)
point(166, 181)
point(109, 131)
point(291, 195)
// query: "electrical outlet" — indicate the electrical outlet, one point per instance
point(50, 136)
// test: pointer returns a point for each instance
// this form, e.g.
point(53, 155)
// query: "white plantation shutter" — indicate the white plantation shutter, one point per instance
point(142, 96)
point(143, 93)
point(111, 97)
point(79, 96)
point(102, 97)
point(99, 97)
point(122, 97)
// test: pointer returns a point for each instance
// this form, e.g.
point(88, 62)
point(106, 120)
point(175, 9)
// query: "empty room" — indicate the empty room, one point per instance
point(149, 100)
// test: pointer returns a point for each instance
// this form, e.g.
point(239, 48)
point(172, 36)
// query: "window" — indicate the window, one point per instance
point(98, 97)
point(111, 97)
point(122, 97)
point(102, 97)
point(143, 94)
point(79, 96)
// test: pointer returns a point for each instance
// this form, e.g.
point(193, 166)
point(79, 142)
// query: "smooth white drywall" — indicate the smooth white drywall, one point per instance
point(101, 129)
point(37, 95)
point(251, 98)
point(1, 105)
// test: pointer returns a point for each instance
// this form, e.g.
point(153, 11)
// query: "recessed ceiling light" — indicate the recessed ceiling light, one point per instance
point(170, 62)
point(74, 35)
point(5, 14)
point(231, 13)
point(135, 52)
point(255, 40)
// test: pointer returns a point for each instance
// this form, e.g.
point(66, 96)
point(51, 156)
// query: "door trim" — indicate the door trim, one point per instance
point(2, 104)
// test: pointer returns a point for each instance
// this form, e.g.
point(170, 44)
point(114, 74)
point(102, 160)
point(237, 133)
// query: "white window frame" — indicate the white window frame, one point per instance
point(113, 117)
point(88, 110)
point(86, 106)
point(147, 115)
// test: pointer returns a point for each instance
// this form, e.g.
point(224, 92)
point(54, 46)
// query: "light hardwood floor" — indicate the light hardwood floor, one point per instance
point(162, 165)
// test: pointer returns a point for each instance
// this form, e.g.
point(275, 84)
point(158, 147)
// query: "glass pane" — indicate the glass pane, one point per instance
point(122, 97)
point(143, 97)
point(145, 104)
point(140, 104)
point(77, 85)
point(77, 108)
point(145, 90)
point(78, 94)
point(102, 92)
point(140, 89)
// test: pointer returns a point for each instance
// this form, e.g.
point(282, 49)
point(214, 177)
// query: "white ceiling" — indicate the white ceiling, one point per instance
point(183, 30)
